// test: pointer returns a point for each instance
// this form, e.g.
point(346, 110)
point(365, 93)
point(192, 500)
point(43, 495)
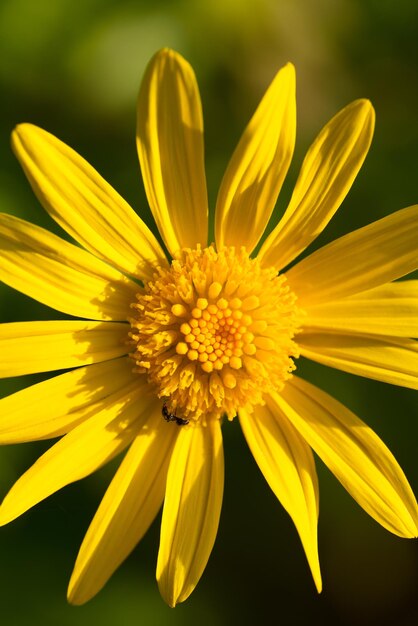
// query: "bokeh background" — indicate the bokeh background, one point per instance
point(74, 67)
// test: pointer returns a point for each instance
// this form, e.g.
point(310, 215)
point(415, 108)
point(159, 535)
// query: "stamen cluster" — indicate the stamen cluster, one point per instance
point(214, 332)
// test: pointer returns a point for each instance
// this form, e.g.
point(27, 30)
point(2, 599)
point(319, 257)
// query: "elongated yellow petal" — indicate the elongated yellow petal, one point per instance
point(81, 452)
point(387, 310)
point(365, 258)
point(55, 406)
point(401, 289)
point(287, 464)
point(29, 347)
point(129, 506)
point(170, 150)
point(191, 510)
point(60, 275)
point(354, 453)
point(326, 176)
point(392, 360)
point(84, 204)
point(258, 167)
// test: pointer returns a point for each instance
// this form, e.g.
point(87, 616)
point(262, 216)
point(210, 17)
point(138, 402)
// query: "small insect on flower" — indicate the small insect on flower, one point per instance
point(172, 417)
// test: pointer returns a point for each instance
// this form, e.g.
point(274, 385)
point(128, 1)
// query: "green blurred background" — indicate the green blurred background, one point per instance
point(74, 67)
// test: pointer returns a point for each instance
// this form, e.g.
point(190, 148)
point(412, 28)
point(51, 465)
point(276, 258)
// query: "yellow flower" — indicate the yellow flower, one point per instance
point(213, 332)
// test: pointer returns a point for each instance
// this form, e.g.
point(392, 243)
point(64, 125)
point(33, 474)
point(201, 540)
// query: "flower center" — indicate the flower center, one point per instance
point(214, 332)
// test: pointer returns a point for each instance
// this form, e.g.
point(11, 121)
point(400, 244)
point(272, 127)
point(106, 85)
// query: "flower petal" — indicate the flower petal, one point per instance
point(61, 275)
point(328, 171)
point(287, 464)
point(354, 453)
point(55, 406)
point(81, 452)
point(84, 204)
point(391, 309)
point(258, 167)
point(170, 150)
point(365, 258)
point(191, 510)
point(389, 359)
point(30, 347)
point(129, 506)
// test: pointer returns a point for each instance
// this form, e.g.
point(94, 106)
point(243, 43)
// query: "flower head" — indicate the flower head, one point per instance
point(215, 332)
point(165, 348)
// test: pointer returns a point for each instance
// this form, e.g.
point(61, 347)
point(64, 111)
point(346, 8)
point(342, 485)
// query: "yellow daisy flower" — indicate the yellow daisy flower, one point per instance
point(165, 349)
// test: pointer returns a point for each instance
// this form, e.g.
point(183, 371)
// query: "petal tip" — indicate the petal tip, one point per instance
point(164, 52)
point(75, 595)
point(288, 73)
point(19, 127)
point(22, 134)
point(318, 584)
point(16, 134)
point(412, 528)
point(71, 598)
point(7, 514)
point(23, 128)
point(290, 68)
point(366, 105)
point(168, 54)
point(166, 593)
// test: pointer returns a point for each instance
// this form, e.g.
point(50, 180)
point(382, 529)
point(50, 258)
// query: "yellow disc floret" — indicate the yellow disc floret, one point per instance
point(214, 332)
